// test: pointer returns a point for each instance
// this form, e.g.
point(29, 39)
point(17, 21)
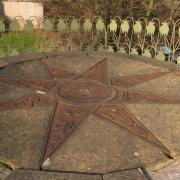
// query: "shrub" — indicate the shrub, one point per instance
point(19, 42)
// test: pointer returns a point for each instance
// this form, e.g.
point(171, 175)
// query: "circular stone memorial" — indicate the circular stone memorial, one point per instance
point(77, 116)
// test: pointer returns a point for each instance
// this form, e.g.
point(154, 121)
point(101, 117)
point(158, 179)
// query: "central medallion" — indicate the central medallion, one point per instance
point(85, 91)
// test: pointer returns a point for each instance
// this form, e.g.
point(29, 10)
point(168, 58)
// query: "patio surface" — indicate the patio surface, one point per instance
point(77, 116)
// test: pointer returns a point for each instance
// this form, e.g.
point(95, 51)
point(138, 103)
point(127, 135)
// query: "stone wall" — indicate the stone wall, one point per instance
point(23, 9)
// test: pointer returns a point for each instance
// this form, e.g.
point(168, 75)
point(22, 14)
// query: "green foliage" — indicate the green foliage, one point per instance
point(19, 43)
point(5, 169)
point(5, 166)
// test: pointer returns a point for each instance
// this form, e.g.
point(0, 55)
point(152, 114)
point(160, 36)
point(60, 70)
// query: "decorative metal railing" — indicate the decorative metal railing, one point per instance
point(151, 38)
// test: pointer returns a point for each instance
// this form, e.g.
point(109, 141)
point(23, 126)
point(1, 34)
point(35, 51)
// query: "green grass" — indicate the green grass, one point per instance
point(4, 169)
point(18, 43)
point(5, 166)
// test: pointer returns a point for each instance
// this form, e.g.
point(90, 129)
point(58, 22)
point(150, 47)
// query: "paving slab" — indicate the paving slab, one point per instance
point(23, 57)
point(168, 170)
point(3, 64)
point(116, 66)
point(10, 92)
point(132, 67)
point(167, 85)
point(133, 174)
point(94, 113)
point(29, 70)
point(162, 120)
point(152, 61)
point(21, 136)
point(99, 146)
point(43, 175)
point(77, 63)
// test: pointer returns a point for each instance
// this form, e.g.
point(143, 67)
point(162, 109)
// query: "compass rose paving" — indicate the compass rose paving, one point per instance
point(87, 116)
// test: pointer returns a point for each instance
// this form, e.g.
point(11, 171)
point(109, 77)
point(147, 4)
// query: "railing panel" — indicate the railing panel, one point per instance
point(150, 38)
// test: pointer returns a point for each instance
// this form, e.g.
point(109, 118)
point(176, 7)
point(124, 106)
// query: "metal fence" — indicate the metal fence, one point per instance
point(150, 38)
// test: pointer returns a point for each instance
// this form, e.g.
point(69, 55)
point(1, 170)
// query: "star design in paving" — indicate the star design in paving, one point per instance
point(75, 97)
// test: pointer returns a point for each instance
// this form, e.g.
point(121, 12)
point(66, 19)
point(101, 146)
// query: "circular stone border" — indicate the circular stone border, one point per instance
point(6, 61)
